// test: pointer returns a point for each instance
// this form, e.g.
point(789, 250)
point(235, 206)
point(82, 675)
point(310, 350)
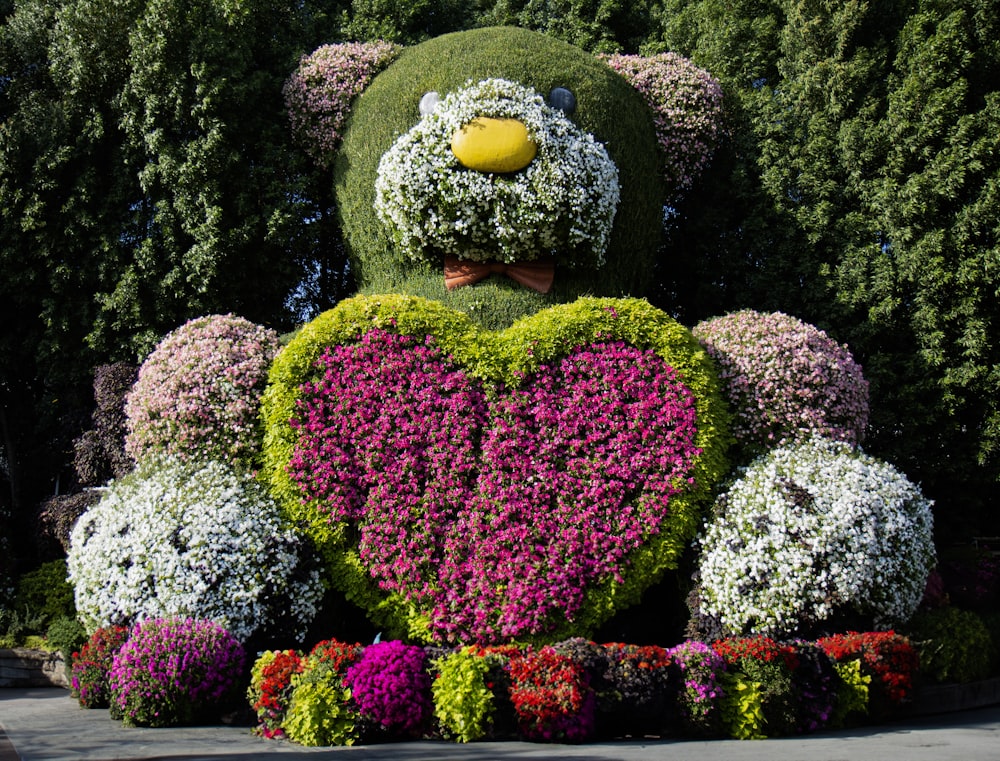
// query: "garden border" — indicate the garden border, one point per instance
point(950, 698)
point(26, 667)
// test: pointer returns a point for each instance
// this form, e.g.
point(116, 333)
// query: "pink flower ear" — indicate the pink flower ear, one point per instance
point(319, 92)
point(686, 102)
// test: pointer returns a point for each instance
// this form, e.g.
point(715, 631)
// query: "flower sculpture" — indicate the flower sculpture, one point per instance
point(475, 159)
point(472, 486)
point(466, 477)
point(318, 95)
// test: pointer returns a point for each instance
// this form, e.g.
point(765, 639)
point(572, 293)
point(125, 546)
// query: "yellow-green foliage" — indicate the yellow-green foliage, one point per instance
point(852, 691)
point(743, 707)
point(321, 714)
point(498, 357)
point(607, 107)
point(463, 704)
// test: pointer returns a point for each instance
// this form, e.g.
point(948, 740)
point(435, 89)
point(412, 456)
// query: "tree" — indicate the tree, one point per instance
point(147, 176)
point(62, 219)
point(930, 276)
point(859, 192)
point(600, 26)
point(222, 196)
point(404, 22)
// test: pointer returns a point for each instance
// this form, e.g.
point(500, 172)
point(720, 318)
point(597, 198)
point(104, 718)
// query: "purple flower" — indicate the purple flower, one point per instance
point(173, 671)
point(785, 379)
point(391, 687)
point(198, 393)
point(686, 102)
point(699, 703)
point(318, 95)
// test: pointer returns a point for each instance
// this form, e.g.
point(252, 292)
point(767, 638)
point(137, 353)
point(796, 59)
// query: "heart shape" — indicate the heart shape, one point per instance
point(494, 486)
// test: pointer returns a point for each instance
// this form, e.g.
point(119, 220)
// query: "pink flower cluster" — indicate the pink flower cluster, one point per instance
point(699, 703)
point(493, 509)
point(318, 95)
point(198, 393)
point(785, 378)
point(392, 688)
point(171, 671)
point(687, 110)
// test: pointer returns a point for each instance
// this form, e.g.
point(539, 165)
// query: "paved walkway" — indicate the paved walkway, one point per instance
point(47, 725)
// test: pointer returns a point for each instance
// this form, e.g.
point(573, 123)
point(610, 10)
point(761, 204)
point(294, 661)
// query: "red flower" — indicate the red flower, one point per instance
point(887, 657)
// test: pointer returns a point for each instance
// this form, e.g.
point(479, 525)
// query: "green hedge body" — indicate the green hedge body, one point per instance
point(607, 107)
point(497, 357)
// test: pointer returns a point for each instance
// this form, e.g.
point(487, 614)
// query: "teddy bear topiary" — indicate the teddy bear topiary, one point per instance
point(612, 142)
point(495, 440)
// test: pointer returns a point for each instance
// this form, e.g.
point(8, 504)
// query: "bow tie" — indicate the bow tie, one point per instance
point(535, 275)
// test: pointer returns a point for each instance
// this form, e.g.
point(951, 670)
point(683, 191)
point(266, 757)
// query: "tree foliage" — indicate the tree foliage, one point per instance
point(599, 26)
point(147, 176)
point(859, 191)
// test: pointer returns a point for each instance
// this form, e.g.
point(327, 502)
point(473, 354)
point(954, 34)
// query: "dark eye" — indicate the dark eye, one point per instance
point(429, 102)
point(562, 99)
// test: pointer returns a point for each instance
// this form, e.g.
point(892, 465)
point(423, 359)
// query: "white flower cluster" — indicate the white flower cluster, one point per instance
point(561, 205)
point(811, 528)
point(189, 539)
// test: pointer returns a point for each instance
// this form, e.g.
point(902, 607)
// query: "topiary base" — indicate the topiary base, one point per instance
point(946, 698)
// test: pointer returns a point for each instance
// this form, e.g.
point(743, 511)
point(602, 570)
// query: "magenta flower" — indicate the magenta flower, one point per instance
point(493, 510)
point(391, 687)
point(174, 671)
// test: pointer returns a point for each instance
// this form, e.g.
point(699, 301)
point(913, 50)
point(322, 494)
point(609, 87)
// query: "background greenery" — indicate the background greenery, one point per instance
point(147, 176)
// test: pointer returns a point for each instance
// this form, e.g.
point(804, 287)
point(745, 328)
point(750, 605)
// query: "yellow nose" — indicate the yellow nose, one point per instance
point(493, 145)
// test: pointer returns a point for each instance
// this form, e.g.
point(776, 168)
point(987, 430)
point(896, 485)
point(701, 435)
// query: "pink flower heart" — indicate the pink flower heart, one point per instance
point(491, 509)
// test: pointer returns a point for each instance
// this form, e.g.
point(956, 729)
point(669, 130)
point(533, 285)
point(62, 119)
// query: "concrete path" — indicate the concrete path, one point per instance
point(47, 725)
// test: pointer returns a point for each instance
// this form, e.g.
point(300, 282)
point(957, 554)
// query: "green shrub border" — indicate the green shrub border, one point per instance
point(497, 357)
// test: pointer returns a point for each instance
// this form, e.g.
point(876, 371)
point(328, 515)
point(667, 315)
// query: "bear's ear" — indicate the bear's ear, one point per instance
point(686, 102)
point(319, 93)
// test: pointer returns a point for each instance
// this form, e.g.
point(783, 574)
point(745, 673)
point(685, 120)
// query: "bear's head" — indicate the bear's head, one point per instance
point(499, 170)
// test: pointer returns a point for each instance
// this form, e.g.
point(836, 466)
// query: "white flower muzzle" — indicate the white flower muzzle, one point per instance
point(560, 205)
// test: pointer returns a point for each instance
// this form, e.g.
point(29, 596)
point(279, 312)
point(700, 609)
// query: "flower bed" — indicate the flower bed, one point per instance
point(743, 688)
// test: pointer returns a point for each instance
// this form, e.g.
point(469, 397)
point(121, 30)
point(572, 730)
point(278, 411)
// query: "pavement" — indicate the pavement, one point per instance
point(46, 724)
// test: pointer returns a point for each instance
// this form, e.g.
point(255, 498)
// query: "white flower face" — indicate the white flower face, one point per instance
point(562, 205)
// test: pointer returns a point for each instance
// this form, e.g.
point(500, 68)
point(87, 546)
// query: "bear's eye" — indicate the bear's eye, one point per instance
point(562, 99)
point(429, 102)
